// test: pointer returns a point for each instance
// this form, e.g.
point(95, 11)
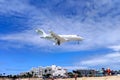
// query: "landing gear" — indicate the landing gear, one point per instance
point(58, 42)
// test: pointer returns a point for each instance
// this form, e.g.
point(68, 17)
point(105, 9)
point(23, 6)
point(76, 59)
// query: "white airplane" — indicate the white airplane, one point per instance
point(58, 38)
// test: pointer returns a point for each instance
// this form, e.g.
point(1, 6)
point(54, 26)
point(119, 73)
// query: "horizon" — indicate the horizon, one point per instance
point(96, 21)
point(68, 70)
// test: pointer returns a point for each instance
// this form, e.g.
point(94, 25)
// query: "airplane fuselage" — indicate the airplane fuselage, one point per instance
point(58, 38)
point(66, 37)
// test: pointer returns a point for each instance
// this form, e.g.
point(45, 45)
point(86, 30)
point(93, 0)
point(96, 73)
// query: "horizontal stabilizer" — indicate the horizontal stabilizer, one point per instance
point(40, 31)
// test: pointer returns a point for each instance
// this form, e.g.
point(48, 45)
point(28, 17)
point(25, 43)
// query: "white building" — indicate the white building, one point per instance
point(52, 70)
point(58, 71)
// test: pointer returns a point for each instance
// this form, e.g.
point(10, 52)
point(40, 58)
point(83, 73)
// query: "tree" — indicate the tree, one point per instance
point(9, 76)
point(46, 75)
point(32, 73)
point(78, 73)
point(29, 75)
point(70, 74)
point(14, 77)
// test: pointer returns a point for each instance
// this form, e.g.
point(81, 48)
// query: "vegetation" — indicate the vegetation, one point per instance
point(27, 75)
point(47, 75)
point(73, 74)
point(70, 74)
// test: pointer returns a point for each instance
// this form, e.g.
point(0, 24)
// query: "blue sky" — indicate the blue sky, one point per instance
point(97, 21)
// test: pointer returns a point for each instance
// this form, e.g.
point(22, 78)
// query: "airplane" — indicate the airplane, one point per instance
point(58, 38)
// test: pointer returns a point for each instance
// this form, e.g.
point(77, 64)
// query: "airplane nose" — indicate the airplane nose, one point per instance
point(81, 38)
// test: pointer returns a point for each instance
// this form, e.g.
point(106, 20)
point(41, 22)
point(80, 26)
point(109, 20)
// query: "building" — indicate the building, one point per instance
point(86, 72)
point(53, 70)
point(37, 71)
point(58, 71)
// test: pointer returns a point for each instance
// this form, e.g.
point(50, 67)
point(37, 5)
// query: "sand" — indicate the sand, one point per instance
point(83, 78)
point(96, 78)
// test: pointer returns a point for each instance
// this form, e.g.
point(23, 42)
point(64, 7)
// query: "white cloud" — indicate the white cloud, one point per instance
point(24, 38)
point(115, 47)
point(98, 31)
point(11, 6)
point(108, 60)
point(96, 34)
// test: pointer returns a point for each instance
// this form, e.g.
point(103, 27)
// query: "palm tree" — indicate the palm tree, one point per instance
point(32, 73)
point(29, 75)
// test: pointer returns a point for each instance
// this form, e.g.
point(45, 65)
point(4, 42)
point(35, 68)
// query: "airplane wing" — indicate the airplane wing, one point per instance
point(57, 37)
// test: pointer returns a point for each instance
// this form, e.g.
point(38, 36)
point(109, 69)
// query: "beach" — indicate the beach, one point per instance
point(82, 78)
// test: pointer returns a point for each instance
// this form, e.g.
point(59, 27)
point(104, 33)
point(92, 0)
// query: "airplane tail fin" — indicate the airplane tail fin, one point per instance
point(41, 32)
